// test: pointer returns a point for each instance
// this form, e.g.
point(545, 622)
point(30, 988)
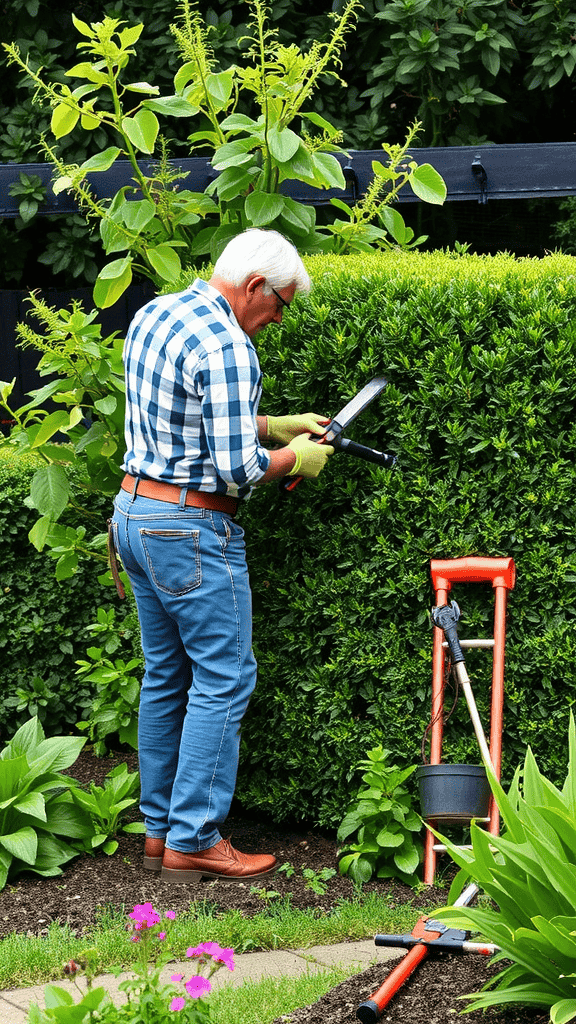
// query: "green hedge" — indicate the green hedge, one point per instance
point(43, 622)
point(480, 354)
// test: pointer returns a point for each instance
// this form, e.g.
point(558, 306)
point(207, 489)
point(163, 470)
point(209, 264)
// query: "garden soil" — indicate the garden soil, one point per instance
point(91, 884)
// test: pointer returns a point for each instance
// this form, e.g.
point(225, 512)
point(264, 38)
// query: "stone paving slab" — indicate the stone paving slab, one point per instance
point(249, 967)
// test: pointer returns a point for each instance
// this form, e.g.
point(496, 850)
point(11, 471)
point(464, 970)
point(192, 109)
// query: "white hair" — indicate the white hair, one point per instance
point(262, 252)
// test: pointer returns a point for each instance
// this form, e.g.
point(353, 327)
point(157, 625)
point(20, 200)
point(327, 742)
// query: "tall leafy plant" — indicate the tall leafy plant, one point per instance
point(530, 873)
point(160, 228)
point(87, 382)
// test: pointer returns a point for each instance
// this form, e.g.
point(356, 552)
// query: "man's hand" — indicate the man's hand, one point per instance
point(284, 428)
point(311, 457)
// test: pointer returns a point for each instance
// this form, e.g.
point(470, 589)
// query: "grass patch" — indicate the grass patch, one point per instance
point(32, 961)
point(263, 1001)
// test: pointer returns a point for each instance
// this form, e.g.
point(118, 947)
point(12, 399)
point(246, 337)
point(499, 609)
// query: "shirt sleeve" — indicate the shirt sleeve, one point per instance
point(228, 384)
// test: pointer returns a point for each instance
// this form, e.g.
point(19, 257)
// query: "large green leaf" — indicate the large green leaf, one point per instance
point(388, 839)
point(407, 860)
point(219, 86)
point(50, 489)
point(233, 154)
point(297, 218)
point(241, 123)
point(235, 181)
point(328, 172)
point(283, 144)
point(112, 282)
point(563, 1011)
point(394, 223)
point(428, 184)
point(165, 261)
point(299, 167)
point(22, 844)
point(101, 161)
point(114, 239)
point(25, 740)
point(55, 753)
point(65, 818)
point(142, 130)
point(56, 996)
point(32, 804)
point(360, 870)
point(52, 853)
point(64, 120)
point(12, 771)
point(172, 106)
point(262, 208)
point(137, 214)
point(558, 938)
point(349, 824)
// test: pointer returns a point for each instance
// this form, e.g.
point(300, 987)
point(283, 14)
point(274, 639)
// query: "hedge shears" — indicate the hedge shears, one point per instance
point(333, 433)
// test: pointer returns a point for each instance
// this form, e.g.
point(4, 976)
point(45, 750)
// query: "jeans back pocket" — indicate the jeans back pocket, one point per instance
point(173, 559)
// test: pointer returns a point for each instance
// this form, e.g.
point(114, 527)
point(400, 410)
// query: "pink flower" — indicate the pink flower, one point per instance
point(205, 949)
point(170, 914)
point(197, 986)
point(178, 1003)
point(226, 956)
point(176, 977)
point(161, 935)
point(144, 916)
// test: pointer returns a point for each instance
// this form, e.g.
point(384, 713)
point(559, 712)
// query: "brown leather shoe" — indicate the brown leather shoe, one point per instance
point(153, 853)
point(220, 861)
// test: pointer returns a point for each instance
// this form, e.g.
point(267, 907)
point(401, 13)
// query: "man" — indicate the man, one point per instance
point(194, 449)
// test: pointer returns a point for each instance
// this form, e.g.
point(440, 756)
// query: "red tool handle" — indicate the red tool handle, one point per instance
point(372, 1009)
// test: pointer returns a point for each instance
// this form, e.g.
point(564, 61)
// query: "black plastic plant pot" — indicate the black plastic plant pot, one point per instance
point(453, 792)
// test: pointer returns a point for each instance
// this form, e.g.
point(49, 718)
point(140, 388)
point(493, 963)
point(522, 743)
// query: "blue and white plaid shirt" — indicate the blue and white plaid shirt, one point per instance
point(193, 384)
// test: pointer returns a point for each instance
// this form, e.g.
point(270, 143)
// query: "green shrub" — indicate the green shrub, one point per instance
point(480, 357)
point(43, 623)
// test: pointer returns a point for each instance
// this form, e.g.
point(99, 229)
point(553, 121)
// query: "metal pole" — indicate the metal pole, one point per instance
point(437, 730)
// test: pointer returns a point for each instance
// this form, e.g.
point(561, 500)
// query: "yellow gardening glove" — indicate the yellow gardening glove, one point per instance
point(311, 457)
point(284, 428)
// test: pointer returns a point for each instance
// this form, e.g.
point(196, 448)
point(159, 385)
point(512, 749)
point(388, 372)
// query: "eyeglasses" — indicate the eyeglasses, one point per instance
point(280, 299)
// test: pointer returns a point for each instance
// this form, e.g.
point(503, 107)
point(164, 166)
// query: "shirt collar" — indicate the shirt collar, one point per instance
point(215, 296)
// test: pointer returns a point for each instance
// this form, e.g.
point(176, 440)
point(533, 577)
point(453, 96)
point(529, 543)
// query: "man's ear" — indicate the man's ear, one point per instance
point(253, 283)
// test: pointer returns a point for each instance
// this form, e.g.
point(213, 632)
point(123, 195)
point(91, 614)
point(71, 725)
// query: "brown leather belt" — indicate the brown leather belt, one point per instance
point(171, 492)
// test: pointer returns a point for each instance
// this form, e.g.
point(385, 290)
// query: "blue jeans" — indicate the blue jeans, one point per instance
point(187, 567)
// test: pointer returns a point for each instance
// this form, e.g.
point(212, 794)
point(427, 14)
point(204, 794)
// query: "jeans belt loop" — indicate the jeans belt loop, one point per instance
point(182, 502)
